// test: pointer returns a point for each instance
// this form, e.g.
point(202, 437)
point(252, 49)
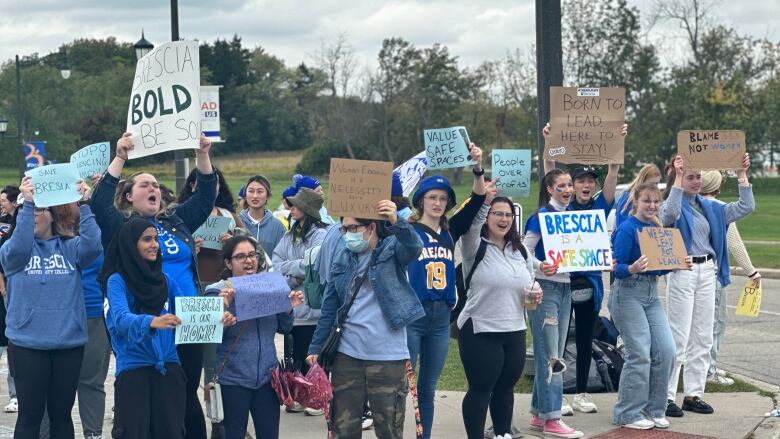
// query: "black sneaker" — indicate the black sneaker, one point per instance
point(672, 410)
point(697, 405)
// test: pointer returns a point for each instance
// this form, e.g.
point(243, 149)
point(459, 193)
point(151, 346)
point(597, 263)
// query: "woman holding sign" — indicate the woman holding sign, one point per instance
point(433, 275)
point(247, 353)
point(47, 321)
point(640, 318)
point(140, 196)
point(690, 295)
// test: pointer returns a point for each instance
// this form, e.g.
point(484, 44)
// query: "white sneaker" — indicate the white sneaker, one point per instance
point(720, 372)
point(642, 424)
point(661, 423)
point(566, 409)
point(584, 403)
point(313, 412)
point(12, 407)
point(367, 421)
point(720, 379)
point(296, 408)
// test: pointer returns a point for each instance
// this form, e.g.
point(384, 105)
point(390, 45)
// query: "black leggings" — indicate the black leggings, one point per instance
point(493, 362)
point(149, 404)
point(301, 339)
point(585, 316)
point(45, 380)
point(191, 358)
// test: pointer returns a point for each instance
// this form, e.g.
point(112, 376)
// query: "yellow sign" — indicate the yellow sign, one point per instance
point(749, 303)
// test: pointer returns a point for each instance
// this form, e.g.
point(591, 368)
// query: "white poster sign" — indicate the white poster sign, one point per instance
point(576, 240)
point(209, 110)
point(411, 171)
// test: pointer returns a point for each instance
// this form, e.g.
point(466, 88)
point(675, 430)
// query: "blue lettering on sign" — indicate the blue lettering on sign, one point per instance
point(573, 223)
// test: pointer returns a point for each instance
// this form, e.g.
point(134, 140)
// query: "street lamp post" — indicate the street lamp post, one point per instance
point(179, 160)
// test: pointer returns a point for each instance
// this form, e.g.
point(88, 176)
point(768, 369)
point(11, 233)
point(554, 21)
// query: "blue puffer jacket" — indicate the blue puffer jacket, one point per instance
point(387, 274)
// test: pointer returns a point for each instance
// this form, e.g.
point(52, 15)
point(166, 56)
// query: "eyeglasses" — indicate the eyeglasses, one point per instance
point(435, 198)
point(243, 257)
point(352, 228)
point(40, 210)
point(506, 215)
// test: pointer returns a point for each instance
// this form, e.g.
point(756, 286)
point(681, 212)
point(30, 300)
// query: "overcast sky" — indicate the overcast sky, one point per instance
point(294, 29)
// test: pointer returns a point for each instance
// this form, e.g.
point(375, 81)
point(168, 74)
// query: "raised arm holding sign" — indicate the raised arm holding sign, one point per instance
point(54, 185)
point(447, 148)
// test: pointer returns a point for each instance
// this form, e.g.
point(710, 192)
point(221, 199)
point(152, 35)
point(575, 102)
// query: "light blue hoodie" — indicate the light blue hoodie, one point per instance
point(268, 231)
point(45, 297)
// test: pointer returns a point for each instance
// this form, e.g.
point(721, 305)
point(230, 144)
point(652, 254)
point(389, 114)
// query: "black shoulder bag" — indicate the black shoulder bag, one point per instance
point(331, 345)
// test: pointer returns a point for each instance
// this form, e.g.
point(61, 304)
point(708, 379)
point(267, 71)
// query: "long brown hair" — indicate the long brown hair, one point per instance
point(647, 187)
point(547, 182)
point(513, 236)
point(648, 171)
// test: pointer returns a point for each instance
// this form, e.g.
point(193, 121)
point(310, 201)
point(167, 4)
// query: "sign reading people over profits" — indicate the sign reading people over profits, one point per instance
point(201, 320)
point(586, 124)
point(356, 186)
point(664, 248)
point(576, 240)
point(711, 150)
point(92, 160)
point(164, 112)
point(54, 185)
point(447, 148)
point(512, 172)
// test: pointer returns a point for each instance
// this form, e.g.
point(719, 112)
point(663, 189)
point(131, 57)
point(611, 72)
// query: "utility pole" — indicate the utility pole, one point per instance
point(180, 161)
point(549, 64)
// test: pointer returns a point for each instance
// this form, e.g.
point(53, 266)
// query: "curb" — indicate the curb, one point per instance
point(766, 273)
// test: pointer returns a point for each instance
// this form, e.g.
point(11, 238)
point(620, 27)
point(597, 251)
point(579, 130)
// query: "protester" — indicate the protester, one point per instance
point(247, 352)
point(307, 232)
point(47, 322)
point(649, 173)
point(433, 276)
point(710, 188)
point(304, 181)
point(491, 335)
point(372, 354)
point(550, 320)
point(257, 218)
point(8, 211)
point(140, 196)
point(639, 316)
point(690, 295)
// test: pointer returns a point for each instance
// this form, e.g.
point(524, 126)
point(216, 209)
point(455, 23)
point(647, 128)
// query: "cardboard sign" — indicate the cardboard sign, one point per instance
point(512, 172)
point(711, 150)
point(214, 227)
point(586, 124)
point(54, 185)
point(411, 171)
point(356, 186)
point(92, 160)
point(164, 112)
point(201, 319)
point(209, 109)
point(447, 148)
point(260, 295)
point(749, 303)
point(664, 248)
point(576, 240)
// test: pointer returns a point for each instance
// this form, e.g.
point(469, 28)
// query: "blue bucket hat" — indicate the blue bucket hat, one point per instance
point(434, 182)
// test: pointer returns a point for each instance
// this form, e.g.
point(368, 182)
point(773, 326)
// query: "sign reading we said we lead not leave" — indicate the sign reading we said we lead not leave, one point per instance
point(576, 240)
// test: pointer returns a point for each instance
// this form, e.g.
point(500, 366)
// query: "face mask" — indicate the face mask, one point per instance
point(404, 213)
point(355, 242)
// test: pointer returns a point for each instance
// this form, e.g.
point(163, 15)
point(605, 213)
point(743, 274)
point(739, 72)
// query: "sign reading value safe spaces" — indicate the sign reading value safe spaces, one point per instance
point(576, 240)
point(164, 112)
point(447, 148)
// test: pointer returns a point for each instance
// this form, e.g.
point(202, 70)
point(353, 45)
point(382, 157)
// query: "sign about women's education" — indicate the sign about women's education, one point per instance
point(164, 112)
point(576, 240)
point(711, 150)
point(356, 186)
point(92, 160)
point(210, 231)
point(585, 125)
point(260, 295)
point(664, 248)
point(201, 320)
point(749, 303)
point(447, 148)
point(54, 185)
point(512, 172)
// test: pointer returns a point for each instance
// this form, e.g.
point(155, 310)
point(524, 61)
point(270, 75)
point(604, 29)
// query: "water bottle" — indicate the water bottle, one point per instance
point(774, 413)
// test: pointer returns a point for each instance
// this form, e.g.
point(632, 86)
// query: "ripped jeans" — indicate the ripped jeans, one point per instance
point(549, 323)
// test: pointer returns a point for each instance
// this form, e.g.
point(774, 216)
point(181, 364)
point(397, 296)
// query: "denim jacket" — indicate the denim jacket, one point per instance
point(185, 218)
point(387, 274)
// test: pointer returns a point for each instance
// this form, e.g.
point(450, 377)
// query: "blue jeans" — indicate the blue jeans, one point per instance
point(549, 324)
point(650, 350)
point(429, 337)
point(263, 403)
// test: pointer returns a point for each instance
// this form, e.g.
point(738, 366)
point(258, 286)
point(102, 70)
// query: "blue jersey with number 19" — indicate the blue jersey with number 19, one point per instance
point(432, 275)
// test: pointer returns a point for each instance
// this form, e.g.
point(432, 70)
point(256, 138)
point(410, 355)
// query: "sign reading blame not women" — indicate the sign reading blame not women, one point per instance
point(164, 112)
point(711, 150)
point(576, 240)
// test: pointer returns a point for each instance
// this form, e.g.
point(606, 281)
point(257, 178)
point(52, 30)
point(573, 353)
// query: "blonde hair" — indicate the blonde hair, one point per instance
point(648, 171)
point(646, 187)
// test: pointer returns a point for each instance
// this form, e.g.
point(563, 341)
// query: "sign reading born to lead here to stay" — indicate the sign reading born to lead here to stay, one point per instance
point(586, 124)
point(447, 148)
point(201, 320)
point(576, 240)
point(711, 150)
point(54, 185)
point(664, 248)
point(164, 112)
point(356, 186)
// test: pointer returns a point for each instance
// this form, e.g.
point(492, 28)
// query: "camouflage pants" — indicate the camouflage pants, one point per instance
point(382, 382)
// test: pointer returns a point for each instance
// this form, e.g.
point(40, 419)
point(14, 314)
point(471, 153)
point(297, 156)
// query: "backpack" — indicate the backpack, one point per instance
point(462, 284)
point(313, 289)
point(609, 363)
